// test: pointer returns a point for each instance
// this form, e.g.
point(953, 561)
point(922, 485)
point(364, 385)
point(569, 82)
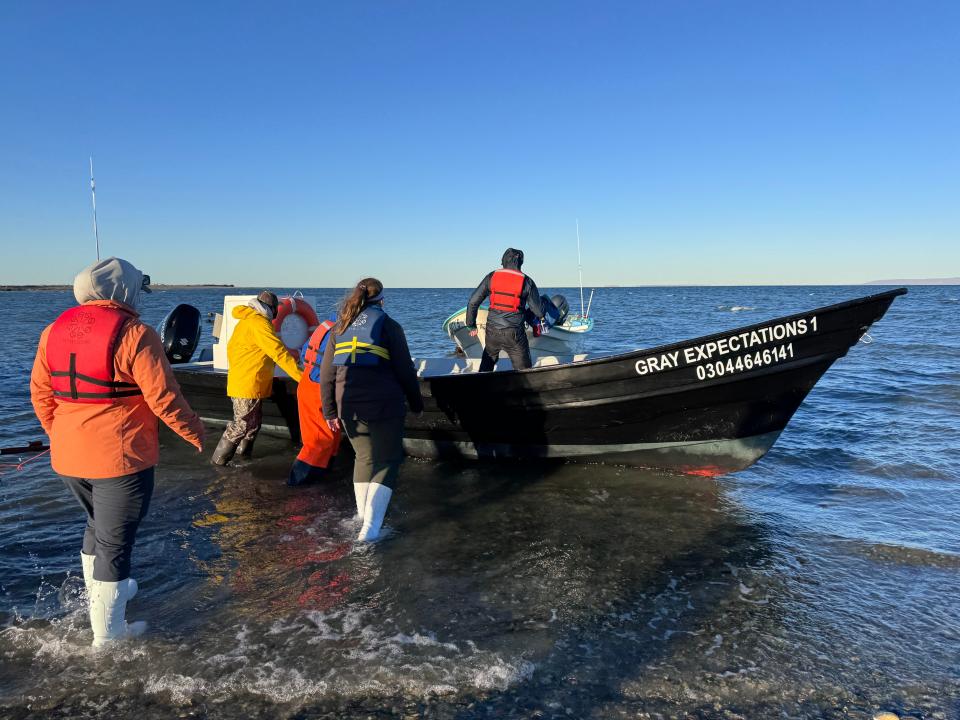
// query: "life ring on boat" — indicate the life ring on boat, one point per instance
point(295, 323)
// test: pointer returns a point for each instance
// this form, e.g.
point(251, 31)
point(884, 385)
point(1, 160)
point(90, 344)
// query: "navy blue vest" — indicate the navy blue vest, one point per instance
point(359, 345)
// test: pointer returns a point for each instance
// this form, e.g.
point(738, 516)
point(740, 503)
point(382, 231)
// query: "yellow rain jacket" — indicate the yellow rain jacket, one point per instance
point(253, 351)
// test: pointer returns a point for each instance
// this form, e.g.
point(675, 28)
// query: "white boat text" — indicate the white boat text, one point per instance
point(769, 356)
point(706, 356)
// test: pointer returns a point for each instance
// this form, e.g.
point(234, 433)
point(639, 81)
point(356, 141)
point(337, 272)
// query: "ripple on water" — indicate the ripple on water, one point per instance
point(903, 554)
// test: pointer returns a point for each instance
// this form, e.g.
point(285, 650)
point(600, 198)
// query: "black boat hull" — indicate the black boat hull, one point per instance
point(707, 406)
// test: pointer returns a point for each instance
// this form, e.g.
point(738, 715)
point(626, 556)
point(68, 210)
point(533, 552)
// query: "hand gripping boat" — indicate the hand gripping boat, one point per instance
point(706, 406)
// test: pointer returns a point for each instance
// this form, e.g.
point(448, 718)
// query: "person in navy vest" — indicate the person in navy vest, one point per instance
point(511, 293)
point(367, 384)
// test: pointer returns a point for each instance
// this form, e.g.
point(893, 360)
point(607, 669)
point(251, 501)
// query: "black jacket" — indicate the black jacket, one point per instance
point(372, 393)
point(529, 296)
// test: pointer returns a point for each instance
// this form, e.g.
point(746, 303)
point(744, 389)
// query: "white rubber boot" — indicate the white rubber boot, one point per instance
point(87, 562)
point(108, 605)
point(378, 498)
point(360, 491)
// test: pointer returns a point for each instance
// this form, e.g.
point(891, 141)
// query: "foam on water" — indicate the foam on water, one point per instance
point(351, 656)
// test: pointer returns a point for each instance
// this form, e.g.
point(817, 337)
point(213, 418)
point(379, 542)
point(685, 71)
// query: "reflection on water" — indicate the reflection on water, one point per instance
point(532, 590)
point(820, 583)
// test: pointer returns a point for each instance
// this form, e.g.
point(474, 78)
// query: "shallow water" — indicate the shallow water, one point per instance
point(822, 582)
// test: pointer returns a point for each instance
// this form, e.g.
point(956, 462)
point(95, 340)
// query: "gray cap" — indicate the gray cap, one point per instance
point(111, 279)
point(270, 300)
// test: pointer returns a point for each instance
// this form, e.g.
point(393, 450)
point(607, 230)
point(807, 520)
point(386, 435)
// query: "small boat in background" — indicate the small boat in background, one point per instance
point(707, 406)
point(565, 338)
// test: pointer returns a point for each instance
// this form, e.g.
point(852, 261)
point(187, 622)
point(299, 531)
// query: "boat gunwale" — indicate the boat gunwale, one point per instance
point(633, 354)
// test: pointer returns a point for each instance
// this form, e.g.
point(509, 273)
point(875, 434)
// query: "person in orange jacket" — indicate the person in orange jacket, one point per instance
point(253, 352)
point(320, 441)
point(99, 382)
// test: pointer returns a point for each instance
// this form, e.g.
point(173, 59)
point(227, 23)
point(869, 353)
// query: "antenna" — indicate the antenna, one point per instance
point(93, 196)
point(579, 268)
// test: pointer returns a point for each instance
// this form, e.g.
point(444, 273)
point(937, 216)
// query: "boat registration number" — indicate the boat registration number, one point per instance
point(758, 359)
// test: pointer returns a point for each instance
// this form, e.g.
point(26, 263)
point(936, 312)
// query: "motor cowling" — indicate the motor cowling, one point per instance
point(562, 306)
point(180, 333)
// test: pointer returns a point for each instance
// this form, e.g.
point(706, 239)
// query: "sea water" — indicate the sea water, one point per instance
point(822, 582)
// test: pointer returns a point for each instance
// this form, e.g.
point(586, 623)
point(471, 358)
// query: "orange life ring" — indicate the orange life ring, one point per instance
point(295, 319)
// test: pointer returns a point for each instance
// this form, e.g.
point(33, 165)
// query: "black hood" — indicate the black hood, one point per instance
point(512, 259)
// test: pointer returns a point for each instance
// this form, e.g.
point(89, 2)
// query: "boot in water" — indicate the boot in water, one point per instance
point(302, 472)
point(224, 452)
point(245, 447)
point(86, 562)
point(360, 492)
point(378, 498)
point(108, 607)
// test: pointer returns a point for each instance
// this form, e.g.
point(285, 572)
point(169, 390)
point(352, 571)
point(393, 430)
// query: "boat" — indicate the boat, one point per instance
point(707, 406)
point(564, 339)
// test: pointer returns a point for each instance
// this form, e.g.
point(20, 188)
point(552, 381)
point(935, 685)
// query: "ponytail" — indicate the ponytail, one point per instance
point(356, 301)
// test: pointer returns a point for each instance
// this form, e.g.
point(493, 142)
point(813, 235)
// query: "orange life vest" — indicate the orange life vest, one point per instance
point(313, 354)
point(506, 289)
point(80, 350)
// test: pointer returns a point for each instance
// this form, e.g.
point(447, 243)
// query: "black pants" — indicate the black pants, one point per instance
point(513, 341)
point(378, 445)
point(115, 507)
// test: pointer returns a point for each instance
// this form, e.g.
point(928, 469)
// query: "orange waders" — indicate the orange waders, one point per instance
point(320, 443)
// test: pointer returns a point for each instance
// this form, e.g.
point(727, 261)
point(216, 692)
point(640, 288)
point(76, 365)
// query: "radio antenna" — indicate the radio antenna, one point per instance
point(580, 268)
point(93, 197)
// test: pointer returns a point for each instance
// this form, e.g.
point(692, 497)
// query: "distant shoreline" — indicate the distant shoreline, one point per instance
point(917, 281)
point(14, 288)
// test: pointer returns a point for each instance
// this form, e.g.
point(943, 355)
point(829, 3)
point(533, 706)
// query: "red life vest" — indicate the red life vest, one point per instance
point(506, 289)
point(80, 349)
point(312, 355)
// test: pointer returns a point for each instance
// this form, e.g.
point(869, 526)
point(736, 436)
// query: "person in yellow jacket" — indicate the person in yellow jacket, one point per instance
point(253, 351)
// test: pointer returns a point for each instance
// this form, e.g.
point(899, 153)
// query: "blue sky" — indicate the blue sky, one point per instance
point(313, 143)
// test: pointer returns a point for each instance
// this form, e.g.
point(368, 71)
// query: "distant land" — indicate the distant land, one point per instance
point(11, 288)
point(917, 281)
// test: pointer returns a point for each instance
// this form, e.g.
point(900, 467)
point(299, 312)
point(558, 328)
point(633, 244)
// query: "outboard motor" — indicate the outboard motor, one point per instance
point(562, 306)
point(555, 310)
point(180, 333)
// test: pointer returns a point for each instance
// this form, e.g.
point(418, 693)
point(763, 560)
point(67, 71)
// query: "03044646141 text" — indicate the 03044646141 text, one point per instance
point(748, 361)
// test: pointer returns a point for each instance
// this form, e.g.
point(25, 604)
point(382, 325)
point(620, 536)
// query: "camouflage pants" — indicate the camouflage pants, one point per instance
point(247, 418)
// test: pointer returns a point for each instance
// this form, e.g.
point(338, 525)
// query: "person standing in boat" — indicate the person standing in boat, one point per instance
point(320, 441)
point(99, 382)
point(367, 381)
point(253, 352)
point(510, 293)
